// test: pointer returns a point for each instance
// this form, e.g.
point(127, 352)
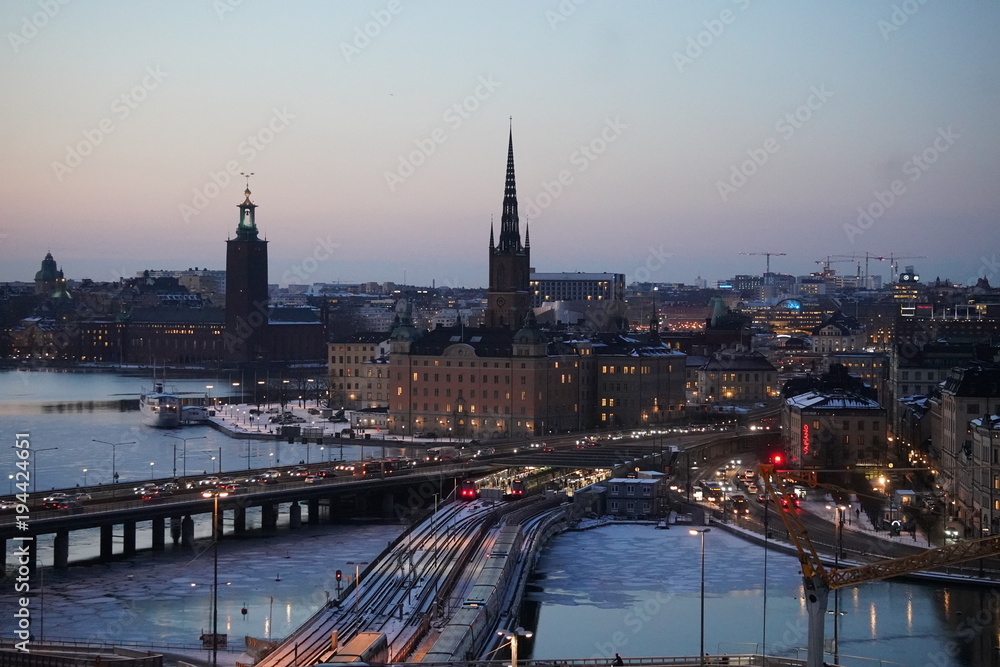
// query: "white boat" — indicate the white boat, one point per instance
point(160, 409)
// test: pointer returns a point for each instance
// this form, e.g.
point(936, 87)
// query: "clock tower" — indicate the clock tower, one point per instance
point(246, 287)
point(509, 294)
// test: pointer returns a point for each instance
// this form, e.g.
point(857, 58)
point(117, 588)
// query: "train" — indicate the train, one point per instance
point(467, 490)
point(517, 487)
point(365, 647)
point(474, 624)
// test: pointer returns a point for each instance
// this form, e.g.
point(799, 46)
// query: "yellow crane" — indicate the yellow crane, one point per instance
point(818, 580)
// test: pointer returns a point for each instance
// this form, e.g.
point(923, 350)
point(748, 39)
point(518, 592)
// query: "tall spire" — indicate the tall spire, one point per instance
point(527, 235)
point(510, 234)
point(492, 245)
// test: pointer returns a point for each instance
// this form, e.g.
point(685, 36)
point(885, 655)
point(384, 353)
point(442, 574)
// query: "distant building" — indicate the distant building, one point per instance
point(550, 287)
point(735, 377)
point(359, 371)
point(836, 429)
point(840, 333)
point(509, 294)
point(630, 498)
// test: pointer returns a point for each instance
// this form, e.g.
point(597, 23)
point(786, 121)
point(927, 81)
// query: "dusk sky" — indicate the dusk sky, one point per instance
point(657, 139)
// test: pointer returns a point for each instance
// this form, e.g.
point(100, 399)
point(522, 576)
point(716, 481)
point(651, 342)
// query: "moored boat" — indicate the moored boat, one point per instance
point(159, 408)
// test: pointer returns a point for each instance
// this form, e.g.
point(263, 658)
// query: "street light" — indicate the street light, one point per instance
point(701, 650)
point(85, 477)
point(215, 494)
point(184, 452)
point(114, 455)
point(151, 464)
point(357, 581)
point(512, 636)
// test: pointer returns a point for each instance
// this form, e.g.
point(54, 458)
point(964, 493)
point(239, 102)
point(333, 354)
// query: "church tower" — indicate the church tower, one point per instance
point(246, 287)
point(509, 294)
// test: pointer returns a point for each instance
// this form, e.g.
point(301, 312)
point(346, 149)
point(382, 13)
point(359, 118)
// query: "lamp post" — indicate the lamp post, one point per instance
point(215, 494)
point(701, 650)
point(357, 581)
point(85, 476)
point(836, 593)
point(151, 464)
point(114, 454)
point(208, 393)
point(512, 636)
point(184, 452)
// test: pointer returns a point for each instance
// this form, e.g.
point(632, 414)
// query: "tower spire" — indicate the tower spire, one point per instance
point(492, 245)
point(510, 234)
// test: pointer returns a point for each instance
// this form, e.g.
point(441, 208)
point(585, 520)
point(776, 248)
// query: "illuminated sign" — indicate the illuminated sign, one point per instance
point(805, 440)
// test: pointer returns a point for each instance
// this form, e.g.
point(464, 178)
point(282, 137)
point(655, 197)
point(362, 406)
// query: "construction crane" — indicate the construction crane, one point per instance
point(894, 262)
point(768, 255)
point(818, 580)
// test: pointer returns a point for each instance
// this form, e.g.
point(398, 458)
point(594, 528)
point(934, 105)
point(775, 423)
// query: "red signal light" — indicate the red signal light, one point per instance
point(778, 458)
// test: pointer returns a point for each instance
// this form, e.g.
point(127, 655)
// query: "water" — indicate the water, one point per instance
point(636, 591)
point(68, 411)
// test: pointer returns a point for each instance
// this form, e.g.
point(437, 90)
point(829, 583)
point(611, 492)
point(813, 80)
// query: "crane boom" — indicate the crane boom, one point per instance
point(818, 581)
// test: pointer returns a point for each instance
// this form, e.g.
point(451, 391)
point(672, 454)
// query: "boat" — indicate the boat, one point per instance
point(160, 409)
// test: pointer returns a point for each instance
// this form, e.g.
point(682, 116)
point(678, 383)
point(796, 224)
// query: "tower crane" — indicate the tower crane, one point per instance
point(894, 262)
point(818, 580)
point(768, 255)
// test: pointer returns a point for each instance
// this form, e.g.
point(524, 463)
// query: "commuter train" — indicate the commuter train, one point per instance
point(517, 487)
point(367, 647)
point(378, 468)
point(467, 490)
point(474, 624)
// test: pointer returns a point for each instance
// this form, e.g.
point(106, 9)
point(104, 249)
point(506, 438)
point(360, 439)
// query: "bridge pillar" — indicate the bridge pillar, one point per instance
point(268, 516)
point(128, 538)
point(107, 541)
point(187, 532)
point(175, 529)
point(60, 549)
point(388, 505)
point(313, 505)
point(159, 524)
point(240, 520)
point(3, 555)
point(295, 515)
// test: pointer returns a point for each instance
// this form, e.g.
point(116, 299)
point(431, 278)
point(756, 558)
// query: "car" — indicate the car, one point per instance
point(313, 411)
point(55, 498)
point(82, 496)
point(209, 481)
point(155, 494)
point(298, 472)
point(309, 479)
point(273, 411)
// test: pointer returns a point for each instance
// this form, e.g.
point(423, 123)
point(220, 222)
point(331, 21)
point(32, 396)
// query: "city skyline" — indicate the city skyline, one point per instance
point(686, 132)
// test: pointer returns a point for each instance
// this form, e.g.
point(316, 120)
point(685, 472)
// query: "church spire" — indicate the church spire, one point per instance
point(510, 234)
point(492, 245)
point(527, 235)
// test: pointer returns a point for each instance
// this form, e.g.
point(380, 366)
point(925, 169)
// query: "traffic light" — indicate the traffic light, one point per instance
point(777, 459)
point(340, 575)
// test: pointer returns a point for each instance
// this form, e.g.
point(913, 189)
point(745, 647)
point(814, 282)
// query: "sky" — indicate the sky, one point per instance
point(656, 139)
